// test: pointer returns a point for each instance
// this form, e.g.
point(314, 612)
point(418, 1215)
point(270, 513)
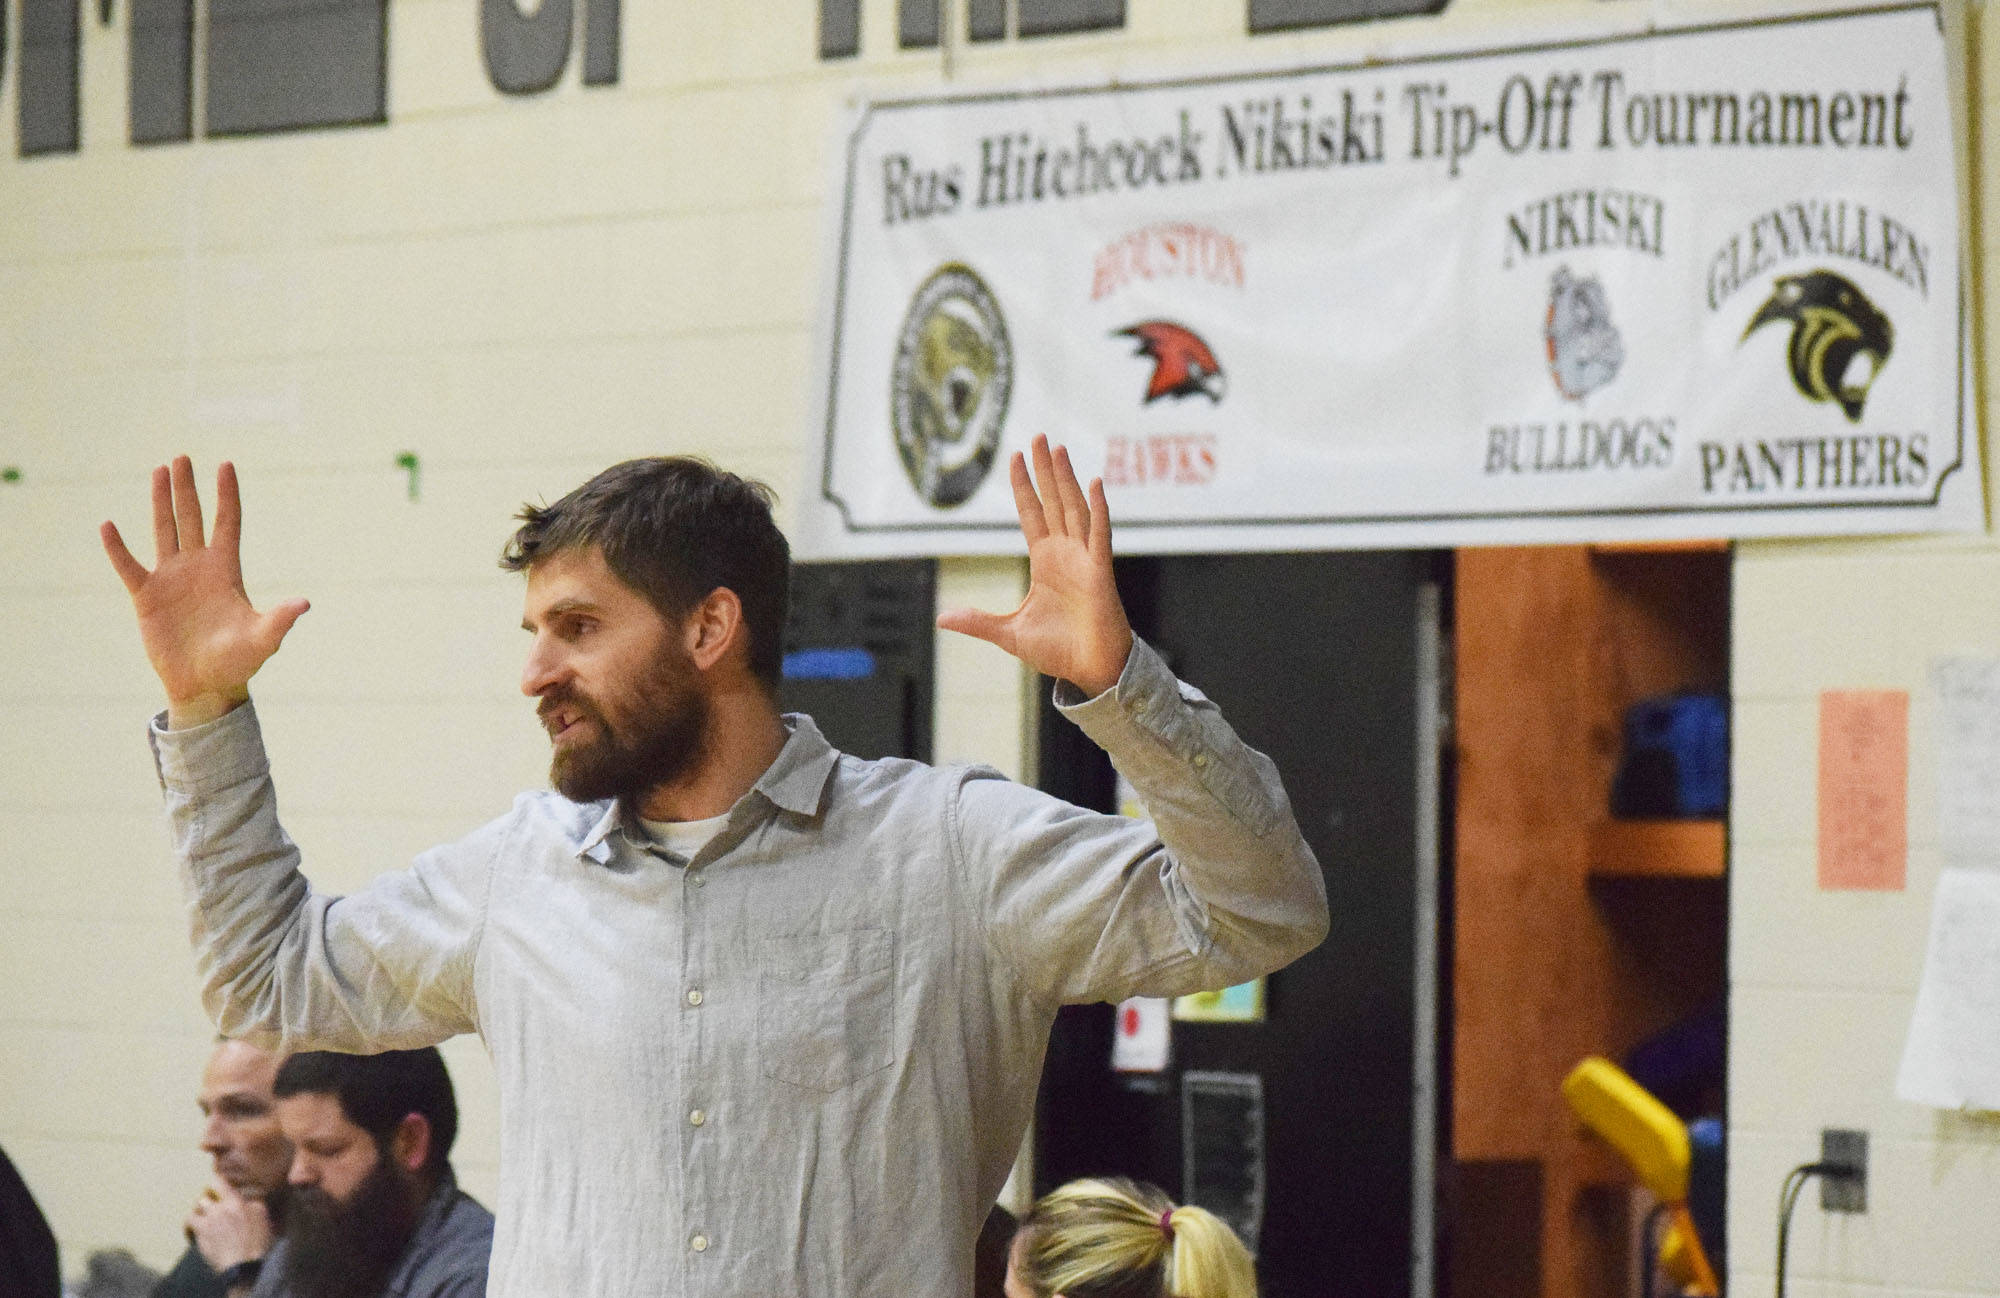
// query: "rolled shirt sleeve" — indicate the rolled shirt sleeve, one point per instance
point(1217, 888)
point(390, 967)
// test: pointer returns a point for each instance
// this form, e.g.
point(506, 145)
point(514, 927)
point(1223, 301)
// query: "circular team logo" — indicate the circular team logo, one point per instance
point(948, 390)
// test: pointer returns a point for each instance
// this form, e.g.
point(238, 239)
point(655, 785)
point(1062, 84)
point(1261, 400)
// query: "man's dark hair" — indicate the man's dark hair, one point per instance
point(376, 1092)
point(674, 528)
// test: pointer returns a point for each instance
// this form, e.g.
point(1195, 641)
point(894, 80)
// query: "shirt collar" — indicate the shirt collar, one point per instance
point(593, 844)
point(421, 1239)
point(795, 781)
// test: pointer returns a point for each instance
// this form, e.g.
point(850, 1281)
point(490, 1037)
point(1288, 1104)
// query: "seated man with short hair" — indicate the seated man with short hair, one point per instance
point(230, 1228)
point(373, 1207)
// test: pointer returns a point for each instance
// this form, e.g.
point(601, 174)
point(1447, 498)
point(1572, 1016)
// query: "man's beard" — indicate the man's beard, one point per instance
point(658, 739)
point(349, 1249)
point(275, 1204)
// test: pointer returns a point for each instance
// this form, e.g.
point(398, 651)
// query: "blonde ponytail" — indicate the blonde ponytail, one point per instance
point(1208, 1260)
point(1115, 1238)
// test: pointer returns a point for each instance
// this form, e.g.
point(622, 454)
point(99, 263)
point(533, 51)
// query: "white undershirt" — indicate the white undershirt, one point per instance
point(683, 838)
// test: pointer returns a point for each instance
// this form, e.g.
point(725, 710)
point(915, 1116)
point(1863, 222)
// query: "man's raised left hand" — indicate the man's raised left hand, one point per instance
point(1072, 624)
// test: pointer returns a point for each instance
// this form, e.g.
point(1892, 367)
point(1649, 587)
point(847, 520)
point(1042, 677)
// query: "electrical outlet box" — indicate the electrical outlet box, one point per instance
point(1844, 1189)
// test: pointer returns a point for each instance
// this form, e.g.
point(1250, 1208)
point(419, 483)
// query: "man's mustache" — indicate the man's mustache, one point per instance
point(565, 698)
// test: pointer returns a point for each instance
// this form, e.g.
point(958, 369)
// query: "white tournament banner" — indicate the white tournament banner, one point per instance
point(1688, 282)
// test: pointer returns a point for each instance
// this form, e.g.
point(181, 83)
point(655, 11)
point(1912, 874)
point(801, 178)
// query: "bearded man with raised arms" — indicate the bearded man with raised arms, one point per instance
point(767, 1019)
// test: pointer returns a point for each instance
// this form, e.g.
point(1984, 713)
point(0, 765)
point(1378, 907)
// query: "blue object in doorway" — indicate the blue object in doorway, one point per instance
point(1676, 761)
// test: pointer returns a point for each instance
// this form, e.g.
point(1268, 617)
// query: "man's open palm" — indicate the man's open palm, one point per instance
point(201, 634)
point(1072, 624)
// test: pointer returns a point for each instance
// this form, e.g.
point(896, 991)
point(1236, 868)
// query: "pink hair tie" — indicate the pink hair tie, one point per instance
point(1167, 1223)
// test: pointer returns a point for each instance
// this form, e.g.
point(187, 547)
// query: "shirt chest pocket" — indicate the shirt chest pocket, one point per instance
point(828, 1007)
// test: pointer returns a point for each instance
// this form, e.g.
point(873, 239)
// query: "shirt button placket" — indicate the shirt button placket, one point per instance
point(690, 1182)
point(694, 1187)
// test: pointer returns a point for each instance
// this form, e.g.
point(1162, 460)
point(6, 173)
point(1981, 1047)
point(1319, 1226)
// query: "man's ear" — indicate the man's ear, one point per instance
point(715, 625)
point(410, 1145)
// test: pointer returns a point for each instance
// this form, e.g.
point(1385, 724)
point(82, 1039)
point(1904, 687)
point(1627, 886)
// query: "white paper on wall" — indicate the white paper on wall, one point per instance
point(1143, 1036)
point(1952, 1057)
point(1967, 691)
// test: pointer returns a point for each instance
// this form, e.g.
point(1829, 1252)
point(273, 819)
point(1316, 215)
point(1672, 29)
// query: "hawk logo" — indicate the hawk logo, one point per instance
point(1840, 340)
point(1585, 350)
point(1182, 363)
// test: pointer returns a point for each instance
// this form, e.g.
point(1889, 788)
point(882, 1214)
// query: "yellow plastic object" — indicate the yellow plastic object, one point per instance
point(1655, 1143)
point(1677, 1256)
point(1682, 1258)
point(1645, 1131)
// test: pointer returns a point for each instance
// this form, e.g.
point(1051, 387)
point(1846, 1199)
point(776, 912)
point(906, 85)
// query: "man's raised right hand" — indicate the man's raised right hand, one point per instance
point(201, 635)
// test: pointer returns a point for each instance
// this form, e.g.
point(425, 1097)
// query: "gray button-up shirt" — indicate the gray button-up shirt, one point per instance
point(798, 1064)
point(445, 1258)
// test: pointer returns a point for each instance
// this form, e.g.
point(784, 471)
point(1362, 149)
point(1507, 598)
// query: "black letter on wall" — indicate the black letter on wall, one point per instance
point(162, 70)
point(839, 28)
point(986, 20)
point(1053, 17)
point(524, 55)
point(918, 23)
point(276, 65)
point(600, 42)
point(1285, 15)
point(50, 47)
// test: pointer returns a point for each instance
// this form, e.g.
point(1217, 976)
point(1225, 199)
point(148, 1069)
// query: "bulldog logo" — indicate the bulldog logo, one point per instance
point(1840, 340)
point(1585, 349)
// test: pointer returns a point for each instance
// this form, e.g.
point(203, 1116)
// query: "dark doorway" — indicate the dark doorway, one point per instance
point(1329, 664)
point(858, 654)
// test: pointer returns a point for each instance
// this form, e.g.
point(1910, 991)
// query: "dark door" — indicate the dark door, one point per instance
point(1328, 663)
point(858, 654)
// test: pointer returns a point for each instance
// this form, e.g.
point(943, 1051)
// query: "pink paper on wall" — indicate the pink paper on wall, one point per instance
point(1864, 765)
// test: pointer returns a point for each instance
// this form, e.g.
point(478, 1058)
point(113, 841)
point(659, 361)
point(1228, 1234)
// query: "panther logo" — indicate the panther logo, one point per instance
point(1840, 340)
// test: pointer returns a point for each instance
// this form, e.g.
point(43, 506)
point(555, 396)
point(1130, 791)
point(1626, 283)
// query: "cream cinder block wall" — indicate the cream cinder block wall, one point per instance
point(1823, 983)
